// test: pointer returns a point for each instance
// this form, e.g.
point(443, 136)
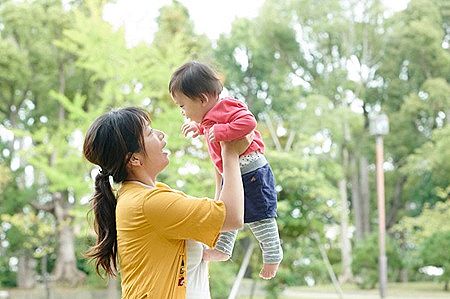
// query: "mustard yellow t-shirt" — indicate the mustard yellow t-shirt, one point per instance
point(152, 226)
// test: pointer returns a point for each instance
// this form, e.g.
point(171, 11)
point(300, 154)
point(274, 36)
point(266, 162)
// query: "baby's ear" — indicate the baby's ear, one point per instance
point(204, 98)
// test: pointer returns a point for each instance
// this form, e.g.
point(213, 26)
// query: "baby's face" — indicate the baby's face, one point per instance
point(194, 109)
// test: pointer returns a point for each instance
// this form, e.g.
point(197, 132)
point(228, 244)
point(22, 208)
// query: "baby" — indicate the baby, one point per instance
point(195, 87)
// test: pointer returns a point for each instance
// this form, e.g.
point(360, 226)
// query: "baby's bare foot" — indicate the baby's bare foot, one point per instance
point(214, 255)
point(268, 271)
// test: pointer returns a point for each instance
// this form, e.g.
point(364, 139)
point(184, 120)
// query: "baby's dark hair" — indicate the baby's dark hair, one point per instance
point(194, 79)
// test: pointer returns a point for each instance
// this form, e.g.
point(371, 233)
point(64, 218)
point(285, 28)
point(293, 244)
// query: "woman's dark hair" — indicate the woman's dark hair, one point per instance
point(110, 141)
point(194, 78)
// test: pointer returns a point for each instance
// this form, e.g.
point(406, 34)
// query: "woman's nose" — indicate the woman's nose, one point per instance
point(161, 135)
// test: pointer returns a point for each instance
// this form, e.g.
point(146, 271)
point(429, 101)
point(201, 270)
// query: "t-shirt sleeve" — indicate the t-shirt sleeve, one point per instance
point(176, 216)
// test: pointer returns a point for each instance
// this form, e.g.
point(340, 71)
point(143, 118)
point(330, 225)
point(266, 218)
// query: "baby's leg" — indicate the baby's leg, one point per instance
point(223, 249)
point(266, 232)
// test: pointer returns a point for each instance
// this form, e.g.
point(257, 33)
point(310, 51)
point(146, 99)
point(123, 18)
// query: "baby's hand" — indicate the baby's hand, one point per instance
point(188, 127)
point(211, 136)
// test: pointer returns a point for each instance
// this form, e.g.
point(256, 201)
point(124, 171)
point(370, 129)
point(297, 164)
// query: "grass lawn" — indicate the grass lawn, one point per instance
point(415, 290)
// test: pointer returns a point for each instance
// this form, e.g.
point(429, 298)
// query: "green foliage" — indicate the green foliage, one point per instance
point(434, 251)
point(432, 220)
point(26, 232)
point(11, 190)
point(222, 276)
point(302, 206)
point(365, 261)
point(430, 162)
point(82, 244)
point(7, 276)
point(302, 264)
point(5, 176)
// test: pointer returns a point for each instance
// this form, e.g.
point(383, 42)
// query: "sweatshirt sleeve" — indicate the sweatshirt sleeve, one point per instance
point(240, 123)
point(200, 129)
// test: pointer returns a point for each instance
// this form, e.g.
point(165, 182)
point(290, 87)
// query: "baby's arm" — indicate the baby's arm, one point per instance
point(239, 124)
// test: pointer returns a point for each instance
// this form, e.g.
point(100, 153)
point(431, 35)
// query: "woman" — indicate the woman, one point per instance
point(147, 224)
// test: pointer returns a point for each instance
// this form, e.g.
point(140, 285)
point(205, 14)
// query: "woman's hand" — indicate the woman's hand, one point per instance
point(237, 146)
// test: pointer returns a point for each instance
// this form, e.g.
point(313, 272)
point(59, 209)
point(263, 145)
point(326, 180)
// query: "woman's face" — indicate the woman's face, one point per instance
point(156, 157)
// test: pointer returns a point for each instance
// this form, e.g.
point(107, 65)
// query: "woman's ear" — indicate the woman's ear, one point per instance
point(135, 160)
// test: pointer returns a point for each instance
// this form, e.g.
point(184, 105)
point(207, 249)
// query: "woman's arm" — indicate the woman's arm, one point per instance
point(218, 184)
point(232, 191)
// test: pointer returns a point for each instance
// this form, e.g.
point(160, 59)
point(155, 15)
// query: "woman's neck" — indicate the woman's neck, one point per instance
point(140, 183)
point(146, 181)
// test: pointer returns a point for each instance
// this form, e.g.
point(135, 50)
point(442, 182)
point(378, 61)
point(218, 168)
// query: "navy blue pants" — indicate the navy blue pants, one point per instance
point(260, 196)
point(260, 210)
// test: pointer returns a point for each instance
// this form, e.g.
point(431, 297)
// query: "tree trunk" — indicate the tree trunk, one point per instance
point(346, 248)
point(66, 271)
point(273, 132)
point(404, 275)
point(327, 263)
point(112, 289)
point(396, 202)
point(356, 200)
point(26, 272)
point(365, 194)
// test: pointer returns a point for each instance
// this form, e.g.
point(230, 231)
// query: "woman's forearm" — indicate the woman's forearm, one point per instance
point(218, 184)
point(232, 193)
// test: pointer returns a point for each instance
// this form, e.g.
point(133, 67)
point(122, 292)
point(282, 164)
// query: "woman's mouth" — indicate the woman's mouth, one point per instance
point(165, 151)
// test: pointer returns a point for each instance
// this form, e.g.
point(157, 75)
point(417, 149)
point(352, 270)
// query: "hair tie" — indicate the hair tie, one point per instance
point(104, 174)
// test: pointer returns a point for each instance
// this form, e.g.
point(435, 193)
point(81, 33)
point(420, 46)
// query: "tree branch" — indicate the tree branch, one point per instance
point(47, 207)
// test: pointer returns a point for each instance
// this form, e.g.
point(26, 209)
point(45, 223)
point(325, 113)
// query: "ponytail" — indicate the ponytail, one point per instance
point(104, 207)
point(109, 143)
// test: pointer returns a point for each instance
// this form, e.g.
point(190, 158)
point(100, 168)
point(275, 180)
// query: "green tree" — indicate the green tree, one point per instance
point(418, 67)
point(433, 253)
point(426, 238)
point(26, 107)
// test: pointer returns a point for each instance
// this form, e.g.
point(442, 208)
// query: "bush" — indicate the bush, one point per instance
point(435, 251)
point(222, 275)
point(365, 261)
point(82, 244)
point(7, 277)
